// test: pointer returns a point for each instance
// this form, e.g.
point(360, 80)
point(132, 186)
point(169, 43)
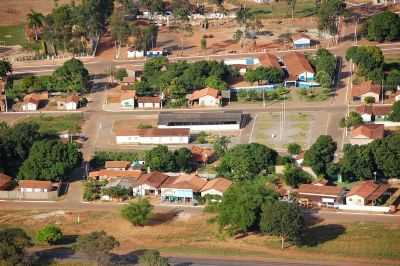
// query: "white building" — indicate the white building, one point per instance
point(301, 41)
point(365, 193)
point(70, 103)
point(373, 112)
point(132, 53)
point(202, 121)
point(182, 189)
point(367, 133)
point(299, 69)
point(216, 187)
point(149, 102)
point(153, 136)
point(149, 184)
point(35, 186)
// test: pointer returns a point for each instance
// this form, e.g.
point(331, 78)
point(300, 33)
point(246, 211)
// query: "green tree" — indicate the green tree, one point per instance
point(117, 192)
point(160, 159)
point(138, 213)
point(13, 245)
point(352, 120)
point(240, 209)
point(35, 22)
point(320, 154)
point(393, 80)
point(72, 76)
point(119, 28)
point(245, 161)
point(386, 151)
point(50, 160)
point(216, 83)
point(395, 113)
point(369, 100)
point(294, 148)
point(203, 44)
point(369, 61)
point(328, 14)
point(152, 258)
point(358, 163)
point(183, 157)
point(274, 75)
point(283, 219)
point(5, 68)
point(221, 145)
point(121, 74)
point(97, 246)
point(295, 176)
point(384, 26)
point(50, 234)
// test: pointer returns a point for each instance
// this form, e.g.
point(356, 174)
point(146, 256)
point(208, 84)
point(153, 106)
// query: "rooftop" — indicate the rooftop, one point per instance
point(307, 189)
point(296, 64)
point(220, 184)
point(369, 190)
point(269, 60)
point(116, 173)
point(365, 87)
point(154, 179)
point(152, 132)
point(185, 181)
point(197, 94)
point(201, 154)
point(5, 180)
point(371, 131)
point(35, 184)
point(298, 36)
point(117, 164)
point(374, 109)
point(171, 118)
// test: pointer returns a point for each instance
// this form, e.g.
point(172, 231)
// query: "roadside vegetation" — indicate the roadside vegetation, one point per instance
point(53, 125)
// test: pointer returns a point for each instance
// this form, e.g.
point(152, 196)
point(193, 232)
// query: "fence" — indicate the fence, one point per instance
point(19, 195)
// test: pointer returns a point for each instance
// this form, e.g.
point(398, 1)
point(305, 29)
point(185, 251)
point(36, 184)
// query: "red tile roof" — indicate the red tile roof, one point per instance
point(197, 94)
point(365, 87)
point(269, 60)
point(72, 98)
point(369, 190)
point(5, 181)
point(220, 184)
point(374, 109)
point(185, 181)
point(127, 94)
point(296, 64)
point(116, 173)
point(300, 35)
point(371, 131)
point(35, 184)
point(200, 154)
point(308, 189)
point(153, 132)
point(117, 164)
point(154, 179)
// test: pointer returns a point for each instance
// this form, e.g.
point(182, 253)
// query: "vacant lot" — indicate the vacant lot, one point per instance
point(56, 124)
point(12, 35)
point(301, 128)
point(189, 234)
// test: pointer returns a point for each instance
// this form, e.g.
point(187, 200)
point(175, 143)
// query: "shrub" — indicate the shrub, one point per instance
point(50, 234)
point(152, 258)
point(138, 213)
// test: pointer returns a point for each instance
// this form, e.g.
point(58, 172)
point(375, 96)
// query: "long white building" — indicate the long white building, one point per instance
point(152, 136)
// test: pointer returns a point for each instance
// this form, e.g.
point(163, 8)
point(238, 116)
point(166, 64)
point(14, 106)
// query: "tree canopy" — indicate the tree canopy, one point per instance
point(320, 154)
point(50, 160)
point(137, 213)
point(152, 258)
point(246, 161)
point(72, 76)
point(5, 68)
point(13, 245)
point(352, 120)
point(395, 113)
point(294, 176)
point(283, 219)
point(160, 159)
point(384, 26)
point(240, 209)
point(328, 14)
point(369, 61)
point(393, 80)
point(325, 66)
point(50, 234)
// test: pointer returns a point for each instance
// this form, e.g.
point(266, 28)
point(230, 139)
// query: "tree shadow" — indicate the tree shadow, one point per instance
point(68, 240)
point(50, 254)
point(320, 234)
point(161, 218)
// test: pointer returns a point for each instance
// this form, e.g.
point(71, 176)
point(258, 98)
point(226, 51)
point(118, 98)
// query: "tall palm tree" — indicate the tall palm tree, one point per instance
point(35, 21)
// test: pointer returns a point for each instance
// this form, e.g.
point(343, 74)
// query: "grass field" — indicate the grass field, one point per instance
point(55, 124)
point(191, 234)
point(12, 35)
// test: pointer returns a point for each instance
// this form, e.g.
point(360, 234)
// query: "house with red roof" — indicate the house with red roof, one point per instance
point(5, 181)
point(366, 89)
point(182, 189)
point(367, 133)
point(374, 112)
point(269, 60)
point(208, 97)
point(299, 70)
point(320, 194)
point(202, 155)
point(69, 103)
point(301, 41)
point(365, 193)
point(216, 187)
point(150, 184)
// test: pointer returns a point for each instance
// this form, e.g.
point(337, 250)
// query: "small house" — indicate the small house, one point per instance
point(127, 100)
point(150, 184)
point(117, 165)
point(106, 174)
point(301, 41)
point(373, 112)
point(150, 102)
point(299, 69)
point(205, 97)
point(216, 187)
point(320, 194)
point(365, 193)
point(155, 52)
point(365, 134)
point(182, 189)
point(5, 181)
point(70, 103)
point(35, 186)
point(33, 101)
point(366, 89)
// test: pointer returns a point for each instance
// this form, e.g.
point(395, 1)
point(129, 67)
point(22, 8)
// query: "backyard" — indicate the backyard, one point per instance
point(56, 124)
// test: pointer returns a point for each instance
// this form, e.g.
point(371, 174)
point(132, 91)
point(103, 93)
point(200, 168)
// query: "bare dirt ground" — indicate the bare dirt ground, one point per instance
point(190, 234)
point(14, 11)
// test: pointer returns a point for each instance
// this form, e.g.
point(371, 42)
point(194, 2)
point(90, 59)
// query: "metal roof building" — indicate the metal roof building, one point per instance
point(202, 121)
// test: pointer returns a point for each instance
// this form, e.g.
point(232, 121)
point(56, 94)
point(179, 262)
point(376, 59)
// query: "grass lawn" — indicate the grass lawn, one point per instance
point(12, 35)
point(55, 124)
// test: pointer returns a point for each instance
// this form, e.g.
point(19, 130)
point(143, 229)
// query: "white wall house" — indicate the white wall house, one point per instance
point(209, 101)
point(71, 106)
point(135, 54)
point(145, 190)
point(128, 103)
point(29, 106)
point(205, 97)
point(355, 200)
point(153, 136)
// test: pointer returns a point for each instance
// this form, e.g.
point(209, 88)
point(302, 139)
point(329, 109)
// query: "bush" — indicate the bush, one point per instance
point(49, 234)
point(138, 213)
point(294, 148)
point(152, 258)
point(369, 100)
point(121, 74)
point(295, 176)
point(202, 137)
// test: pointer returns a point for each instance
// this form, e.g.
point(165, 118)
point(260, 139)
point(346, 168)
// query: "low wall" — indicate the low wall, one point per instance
point(364, 208)
point(388, 123)
point(18, 195)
